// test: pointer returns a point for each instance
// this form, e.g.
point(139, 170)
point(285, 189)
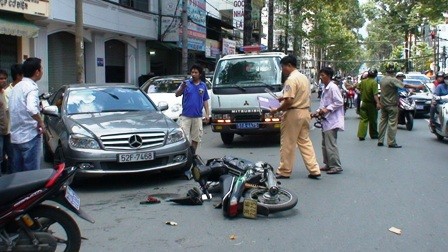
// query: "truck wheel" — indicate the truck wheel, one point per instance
point(227, 138)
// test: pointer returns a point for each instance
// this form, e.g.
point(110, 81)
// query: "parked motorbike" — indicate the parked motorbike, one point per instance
point(440, 127)
point(26, 224)
point(406, 109)
point(246, 187)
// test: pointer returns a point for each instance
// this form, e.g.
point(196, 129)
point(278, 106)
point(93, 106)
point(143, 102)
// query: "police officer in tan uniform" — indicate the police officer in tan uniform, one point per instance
point(295, 126)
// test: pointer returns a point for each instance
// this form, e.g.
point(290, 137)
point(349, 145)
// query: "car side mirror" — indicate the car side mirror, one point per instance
point(52, 110)
point(162, 106)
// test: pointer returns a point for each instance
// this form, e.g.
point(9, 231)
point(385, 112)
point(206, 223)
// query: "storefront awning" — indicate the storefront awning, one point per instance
point(17, 26)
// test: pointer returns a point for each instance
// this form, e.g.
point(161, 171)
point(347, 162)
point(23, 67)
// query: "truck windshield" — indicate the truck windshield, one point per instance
point(248, 72)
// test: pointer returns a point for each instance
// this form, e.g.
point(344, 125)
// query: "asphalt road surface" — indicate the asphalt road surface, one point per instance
point(379, 188)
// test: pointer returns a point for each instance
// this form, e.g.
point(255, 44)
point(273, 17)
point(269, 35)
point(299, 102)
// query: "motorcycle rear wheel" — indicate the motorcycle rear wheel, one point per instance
point(60, 225)
point(284, 200)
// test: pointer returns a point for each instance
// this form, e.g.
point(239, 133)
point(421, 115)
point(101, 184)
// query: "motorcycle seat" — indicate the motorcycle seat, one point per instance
point(16, 185)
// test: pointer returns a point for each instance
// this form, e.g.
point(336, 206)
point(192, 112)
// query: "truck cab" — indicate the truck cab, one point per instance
point(238, 83)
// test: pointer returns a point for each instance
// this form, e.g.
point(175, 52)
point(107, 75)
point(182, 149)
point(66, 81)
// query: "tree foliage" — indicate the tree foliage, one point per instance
point(396, 32)
point(328, 27)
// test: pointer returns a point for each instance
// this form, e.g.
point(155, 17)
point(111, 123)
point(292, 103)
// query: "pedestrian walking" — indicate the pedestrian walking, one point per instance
point(295, 125)
point(27, 126)
point(331, 109)
point(194, 98)
point(370, 104)
point(389, 106)
point(16, 75)
point(4, 119)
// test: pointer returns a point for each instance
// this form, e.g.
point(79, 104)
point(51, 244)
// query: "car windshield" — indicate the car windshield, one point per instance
point(245, 72)
point(164, 86)
point(419, 77)
point(110, 99)
point(416, 82)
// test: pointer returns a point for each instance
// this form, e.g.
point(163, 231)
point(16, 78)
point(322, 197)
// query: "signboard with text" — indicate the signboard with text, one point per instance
point(172, 26)
point(238, 14)
point(228, 47)
point(31, 7)
point(212, 49)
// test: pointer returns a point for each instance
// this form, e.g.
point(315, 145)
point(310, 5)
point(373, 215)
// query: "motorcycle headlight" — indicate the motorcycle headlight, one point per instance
point(176, 135)
point(83, 142)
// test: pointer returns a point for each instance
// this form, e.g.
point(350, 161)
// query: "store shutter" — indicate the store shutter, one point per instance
point(8, 52)
point(61, 60)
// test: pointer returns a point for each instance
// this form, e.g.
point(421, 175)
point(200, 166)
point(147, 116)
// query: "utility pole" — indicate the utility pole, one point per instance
point(287, 27)
point(79, 47)
point(433, 37)
point(444, 57)
point(184, 36)
point(270, 25)
point(247, 37)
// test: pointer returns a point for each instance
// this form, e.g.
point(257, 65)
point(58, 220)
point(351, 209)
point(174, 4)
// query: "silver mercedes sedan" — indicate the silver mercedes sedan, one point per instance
point(112, 129)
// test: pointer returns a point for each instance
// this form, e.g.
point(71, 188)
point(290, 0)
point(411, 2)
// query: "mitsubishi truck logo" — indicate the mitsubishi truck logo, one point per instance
point(246, 103)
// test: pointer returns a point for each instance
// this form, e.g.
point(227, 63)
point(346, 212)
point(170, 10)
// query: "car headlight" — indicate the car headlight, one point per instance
point(176, 107)
point(83, 142)
point(176, 135)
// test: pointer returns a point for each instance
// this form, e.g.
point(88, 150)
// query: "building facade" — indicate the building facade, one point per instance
point(115, 35)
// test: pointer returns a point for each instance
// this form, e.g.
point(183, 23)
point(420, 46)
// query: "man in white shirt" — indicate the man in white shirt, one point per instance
point(26, 124)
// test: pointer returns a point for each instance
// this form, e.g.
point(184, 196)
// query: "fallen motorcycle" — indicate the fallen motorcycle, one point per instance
point(246, 187)
point(28, 225)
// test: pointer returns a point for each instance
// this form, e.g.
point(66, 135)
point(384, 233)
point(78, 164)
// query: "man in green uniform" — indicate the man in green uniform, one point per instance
point(370, 105)
point(389, 106)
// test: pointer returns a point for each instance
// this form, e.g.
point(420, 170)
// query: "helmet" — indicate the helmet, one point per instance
point(400, 74)
point(440, 74)
point(372, 73)
point(390, 67)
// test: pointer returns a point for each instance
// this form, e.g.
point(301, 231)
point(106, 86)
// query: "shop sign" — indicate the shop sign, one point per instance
point(212, 49)
point(228, 47)
point(31, 7)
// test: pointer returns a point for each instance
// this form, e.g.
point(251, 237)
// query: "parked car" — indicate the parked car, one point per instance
point(418, 76)
point(162, 89)
point(112, 129)
point(422, 97)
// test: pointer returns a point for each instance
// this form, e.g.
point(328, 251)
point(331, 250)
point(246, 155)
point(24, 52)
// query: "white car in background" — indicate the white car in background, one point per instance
point(163, 88)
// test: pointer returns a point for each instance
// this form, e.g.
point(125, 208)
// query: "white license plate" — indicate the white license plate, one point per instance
point(420, 107)
point(72, 198)
point(135, 157)
point(247, 126)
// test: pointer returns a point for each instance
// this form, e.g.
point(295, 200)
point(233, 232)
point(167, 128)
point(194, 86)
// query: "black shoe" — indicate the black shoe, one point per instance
point(395, 146)
point(278, 176)
point(374, 137)
point(362, 139)
point(380, 144)
point(334, 171)
point(311, 176)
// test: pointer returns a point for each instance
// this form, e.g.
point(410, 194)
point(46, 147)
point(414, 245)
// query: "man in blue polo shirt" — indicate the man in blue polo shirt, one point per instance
point(194, 98)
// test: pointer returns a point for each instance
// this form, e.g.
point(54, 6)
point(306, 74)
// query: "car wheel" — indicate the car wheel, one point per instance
point(48, 155)
point(439, 137)
point(58, 156)
point(227, 138)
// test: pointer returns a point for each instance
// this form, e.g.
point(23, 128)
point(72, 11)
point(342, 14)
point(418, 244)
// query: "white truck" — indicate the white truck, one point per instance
point(238, 82)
